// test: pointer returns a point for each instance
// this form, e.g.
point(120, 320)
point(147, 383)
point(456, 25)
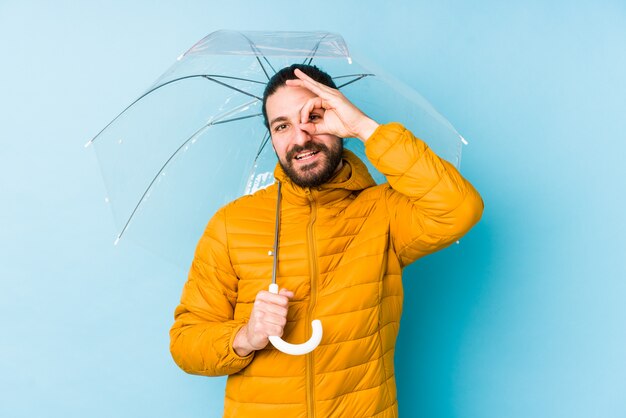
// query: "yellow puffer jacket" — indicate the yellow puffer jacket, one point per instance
point(342, 249)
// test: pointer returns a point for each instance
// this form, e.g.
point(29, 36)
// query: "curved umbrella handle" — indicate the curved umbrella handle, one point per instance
point(297, 349)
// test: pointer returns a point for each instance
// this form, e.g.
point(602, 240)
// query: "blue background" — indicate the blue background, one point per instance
point(526, 318)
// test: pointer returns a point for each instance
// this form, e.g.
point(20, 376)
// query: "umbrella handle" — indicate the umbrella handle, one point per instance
point(297, 349)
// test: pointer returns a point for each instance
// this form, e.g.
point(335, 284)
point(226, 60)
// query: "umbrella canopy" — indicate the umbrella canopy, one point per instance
point(196, 140)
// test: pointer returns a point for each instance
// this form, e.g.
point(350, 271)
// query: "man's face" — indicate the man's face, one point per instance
point(308, 159)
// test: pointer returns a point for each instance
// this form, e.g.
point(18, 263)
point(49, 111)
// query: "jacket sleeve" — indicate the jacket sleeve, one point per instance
point(430, 204)
point(201, 338)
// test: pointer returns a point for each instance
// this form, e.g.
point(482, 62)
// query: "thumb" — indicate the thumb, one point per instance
point(285, 292)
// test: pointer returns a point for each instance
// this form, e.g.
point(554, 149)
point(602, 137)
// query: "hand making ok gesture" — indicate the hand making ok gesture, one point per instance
point(341, 118)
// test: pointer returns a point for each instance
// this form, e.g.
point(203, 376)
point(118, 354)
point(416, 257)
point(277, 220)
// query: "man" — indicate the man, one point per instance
point(343, 244)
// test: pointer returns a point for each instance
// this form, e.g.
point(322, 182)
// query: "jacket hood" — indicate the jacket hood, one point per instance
point(353, 177)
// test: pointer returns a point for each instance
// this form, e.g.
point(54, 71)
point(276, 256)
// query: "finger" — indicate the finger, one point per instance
point(308, 107)
point(306, 79)
point(328, 94)
point(271, 320)
point(273, 330)
point(285, 292)
point(267, 297)
point(264, 308)
point(261, 330)
point(307, 82)
point(295, 83)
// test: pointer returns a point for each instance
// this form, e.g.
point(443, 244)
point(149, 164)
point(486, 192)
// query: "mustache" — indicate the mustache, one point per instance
point(297, 149)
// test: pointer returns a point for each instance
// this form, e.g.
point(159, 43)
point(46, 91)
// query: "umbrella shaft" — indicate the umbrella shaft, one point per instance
point(276, 230)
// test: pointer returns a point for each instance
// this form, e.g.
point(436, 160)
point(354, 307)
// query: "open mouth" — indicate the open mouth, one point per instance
point(306, 155)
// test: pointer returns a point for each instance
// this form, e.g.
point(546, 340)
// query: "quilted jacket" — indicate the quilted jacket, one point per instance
point(342, 250)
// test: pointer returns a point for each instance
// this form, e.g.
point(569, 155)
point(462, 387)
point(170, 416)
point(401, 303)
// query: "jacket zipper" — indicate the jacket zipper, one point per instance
point(310, 372)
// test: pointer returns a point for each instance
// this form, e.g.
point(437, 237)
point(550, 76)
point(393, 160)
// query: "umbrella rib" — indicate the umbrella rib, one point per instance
point(360, 76)
point(268, 62)
point(130, 218)
point(314, 51)
point(353, 75)
point(266, 138)
point(231, 87)
point(165, 84)
point(235, 78)
point(234, 119)
point(257, 51)
point(195, 134)
point(263, 143)
point(262, 67)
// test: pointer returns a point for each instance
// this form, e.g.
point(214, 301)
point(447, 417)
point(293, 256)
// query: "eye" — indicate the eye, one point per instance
point(280, 127)
point(314, 117)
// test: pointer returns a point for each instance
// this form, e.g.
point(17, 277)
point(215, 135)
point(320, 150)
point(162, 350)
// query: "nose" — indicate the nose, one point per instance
point(301, 136)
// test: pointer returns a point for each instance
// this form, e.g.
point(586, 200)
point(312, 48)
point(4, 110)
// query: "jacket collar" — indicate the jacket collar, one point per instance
point(352, 177)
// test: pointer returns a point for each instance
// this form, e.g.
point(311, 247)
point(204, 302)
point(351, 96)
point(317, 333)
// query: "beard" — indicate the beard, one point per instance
point(318, 172)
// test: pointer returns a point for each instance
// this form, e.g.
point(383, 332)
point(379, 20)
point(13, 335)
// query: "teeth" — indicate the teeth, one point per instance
point(308, 154)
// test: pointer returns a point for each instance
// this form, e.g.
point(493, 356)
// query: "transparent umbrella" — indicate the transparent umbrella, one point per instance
point(196, 139)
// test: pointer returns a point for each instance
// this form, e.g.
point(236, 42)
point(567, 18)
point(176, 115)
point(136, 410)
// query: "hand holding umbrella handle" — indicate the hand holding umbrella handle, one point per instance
point(297, 349)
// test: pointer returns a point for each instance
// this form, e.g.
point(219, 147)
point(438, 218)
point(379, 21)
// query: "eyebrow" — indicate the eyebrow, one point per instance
point(278, 119)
